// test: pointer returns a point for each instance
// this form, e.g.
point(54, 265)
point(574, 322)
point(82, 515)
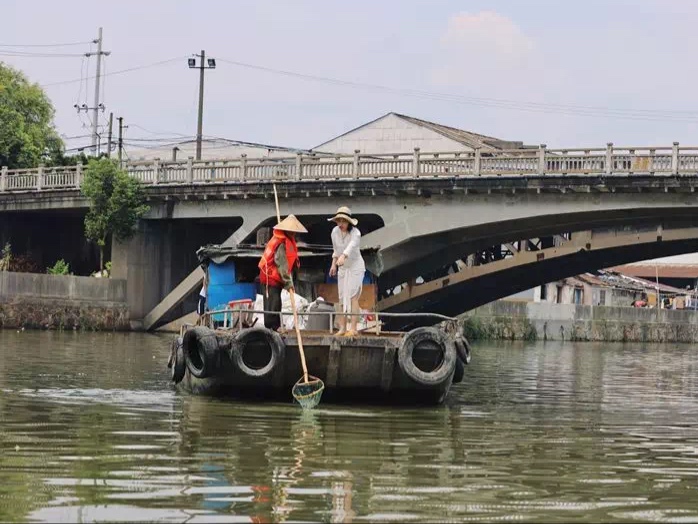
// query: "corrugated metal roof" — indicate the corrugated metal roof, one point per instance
point(467, 138)
point(613, 279)
point(661, 270)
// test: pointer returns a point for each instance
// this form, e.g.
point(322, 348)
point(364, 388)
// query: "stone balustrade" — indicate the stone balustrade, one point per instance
point(529, 162)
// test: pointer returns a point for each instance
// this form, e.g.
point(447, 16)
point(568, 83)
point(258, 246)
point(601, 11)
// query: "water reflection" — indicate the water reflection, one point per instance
point(91, 431)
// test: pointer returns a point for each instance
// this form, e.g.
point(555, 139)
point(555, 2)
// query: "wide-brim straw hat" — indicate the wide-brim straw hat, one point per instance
point(345, 213)
point(291, 224)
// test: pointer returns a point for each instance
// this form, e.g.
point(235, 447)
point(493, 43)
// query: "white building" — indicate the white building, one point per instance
point(395, 133)
point(211, 149)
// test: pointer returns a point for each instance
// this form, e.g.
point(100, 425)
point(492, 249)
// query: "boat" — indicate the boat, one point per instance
point(230, 352)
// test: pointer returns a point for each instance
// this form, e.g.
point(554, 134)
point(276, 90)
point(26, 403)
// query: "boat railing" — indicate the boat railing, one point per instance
point(235, 318)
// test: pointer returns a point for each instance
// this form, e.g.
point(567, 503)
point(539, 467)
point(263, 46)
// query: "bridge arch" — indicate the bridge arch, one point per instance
point(585, 251)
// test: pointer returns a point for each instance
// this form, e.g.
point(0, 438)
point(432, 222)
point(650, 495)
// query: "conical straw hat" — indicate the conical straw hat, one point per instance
point(292, 224)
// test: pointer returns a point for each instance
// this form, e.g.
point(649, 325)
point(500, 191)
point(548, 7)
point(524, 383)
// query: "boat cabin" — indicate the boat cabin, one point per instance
point(232, 278)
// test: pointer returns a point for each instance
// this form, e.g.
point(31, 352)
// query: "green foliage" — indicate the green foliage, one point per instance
point(61, 267)
point(530, 334)
point(474, 329)
point(27, 134)
point(17, 263)
point(105, 273)
point(6, 257)
point(117, 202)
point(499, 328)
point(72, 160)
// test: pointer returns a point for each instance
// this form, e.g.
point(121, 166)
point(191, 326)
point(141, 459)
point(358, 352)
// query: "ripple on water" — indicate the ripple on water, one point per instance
point(92, 431)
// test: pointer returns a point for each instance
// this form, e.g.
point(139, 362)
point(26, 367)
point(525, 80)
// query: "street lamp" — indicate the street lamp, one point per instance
point(203, 65)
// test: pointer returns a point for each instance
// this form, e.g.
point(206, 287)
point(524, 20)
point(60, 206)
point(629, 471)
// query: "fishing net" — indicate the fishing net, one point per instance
point(308, 394)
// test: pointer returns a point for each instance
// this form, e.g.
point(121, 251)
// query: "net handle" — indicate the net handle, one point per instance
point(292, 293)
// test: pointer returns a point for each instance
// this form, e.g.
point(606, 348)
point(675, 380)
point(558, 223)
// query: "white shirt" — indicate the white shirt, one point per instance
point(349, 245)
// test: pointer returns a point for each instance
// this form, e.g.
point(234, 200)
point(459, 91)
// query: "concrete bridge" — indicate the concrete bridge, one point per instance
point(426, 210)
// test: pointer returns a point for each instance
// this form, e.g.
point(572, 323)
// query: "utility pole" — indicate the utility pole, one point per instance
point(121, 137)
point(97, 106)
point(203, 64)
point(111, 121)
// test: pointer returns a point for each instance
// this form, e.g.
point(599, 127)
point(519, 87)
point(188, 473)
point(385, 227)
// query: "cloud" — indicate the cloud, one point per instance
point(483, 47)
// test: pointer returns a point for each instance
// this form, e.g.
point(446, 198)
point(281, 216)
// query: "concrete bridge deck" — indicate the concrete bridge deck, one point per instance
point(670, 160)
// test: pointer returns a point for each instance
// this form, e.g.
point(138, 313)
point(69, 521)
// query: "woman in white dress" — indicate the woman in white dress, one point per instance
point(348, 266)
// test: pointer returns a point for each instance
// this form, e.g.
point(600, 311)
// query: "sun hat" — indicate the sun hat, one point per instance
point(345, 213)
point(291, 224)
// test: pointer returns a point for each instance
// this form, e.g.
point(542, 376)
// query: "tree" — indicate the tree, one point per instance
point(117, 202)
point(27, 134)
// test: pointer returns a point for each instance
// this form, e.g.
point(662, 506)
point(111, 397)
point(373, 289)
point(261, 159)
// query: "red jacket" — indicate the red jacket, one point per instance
point(268, 271)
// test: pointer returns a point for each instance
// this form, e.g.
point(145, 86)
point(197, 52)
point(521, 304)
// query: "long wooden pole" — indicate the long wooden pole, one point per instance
point(292, 293)
point(298, 335)
point(276, 200)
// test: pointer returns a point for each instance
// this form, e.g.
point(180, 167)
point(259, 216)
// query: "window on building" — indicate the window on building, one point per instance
point(544, 292)
point(577, 298)
point(602, 297)
point(558, 296)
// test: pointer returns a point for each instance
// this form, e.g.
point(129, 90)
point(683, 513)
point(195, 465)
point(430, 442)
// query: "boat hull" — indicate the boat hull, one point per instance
point(357, 369)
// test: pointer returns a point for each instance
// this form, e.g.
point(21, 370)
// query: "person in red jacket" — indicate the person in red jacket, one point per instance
point(276, 267)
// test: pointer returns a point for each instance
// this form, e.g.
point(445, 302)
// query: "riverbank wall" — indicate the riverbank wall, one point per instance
point(35, 301)
point(510, 320)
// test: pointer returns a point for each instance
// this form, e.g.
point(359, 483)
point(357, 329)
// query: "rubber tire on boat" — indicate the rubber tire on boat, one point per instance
point(178, 364)
point(459, 373)
point(276, 344)
point(201, 341)
point(463, 349)
point(411, 341)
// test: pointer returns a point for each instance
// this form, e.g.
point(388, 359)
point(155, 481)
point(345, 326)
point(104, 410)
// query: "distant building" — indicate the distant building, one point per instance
point(672, 274)
point(390, 133)
point(211, 149)
point(610, 288)
point(396, 133)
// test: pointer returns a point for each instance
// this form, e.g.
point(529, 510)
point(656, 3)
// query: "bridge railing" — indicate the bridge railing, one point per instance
point(541, 161)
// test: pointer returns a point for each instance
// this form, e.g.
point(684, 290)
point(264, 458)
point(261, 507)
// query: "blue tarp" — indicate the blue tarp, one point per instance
point(222, 287)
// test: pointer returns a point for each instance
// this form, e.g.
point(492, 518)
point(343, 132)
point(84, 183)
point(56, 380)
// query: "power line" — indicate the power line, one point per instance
point(159, 132)
point(74, 137)
point(164, 139)
point(26, 54)
point(45, 45)
point(573, 110)
point(145, 66)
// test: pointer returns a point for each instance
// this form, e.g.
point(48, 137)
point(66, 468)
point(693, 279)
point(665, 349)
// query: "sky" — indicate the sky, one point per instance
point(567, 74)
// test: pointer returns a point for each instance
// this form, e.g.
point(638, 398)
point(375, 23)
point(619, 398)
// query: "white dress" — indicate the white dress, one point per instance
point(350, 276)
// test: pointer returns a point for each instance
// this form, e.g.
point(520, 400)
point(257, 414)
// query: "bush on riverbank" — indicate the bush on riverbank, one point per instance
point(499, 329)
point(61, 267)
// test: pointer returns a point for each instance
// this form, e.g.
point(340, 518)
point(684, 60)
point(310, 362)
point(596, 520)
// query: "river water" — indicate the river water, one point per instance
point(91, 430)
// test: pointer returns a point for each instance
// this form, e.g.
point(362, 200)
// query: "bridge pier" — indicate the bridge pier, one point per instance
point(144, 262)
point(159, 256)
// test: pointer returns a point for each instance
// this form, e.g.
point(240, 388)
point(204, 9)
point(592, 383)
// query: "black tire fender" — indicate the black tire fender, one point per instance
point(411, 341)
point(201, 351)
point(177, 364)
point(459, 373)
point(464, 350)
point(272, 338)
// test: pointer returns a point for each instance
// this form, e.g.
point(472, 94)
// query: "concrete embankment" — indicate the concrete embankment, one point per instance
point(62, 302)
point(510, 320)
